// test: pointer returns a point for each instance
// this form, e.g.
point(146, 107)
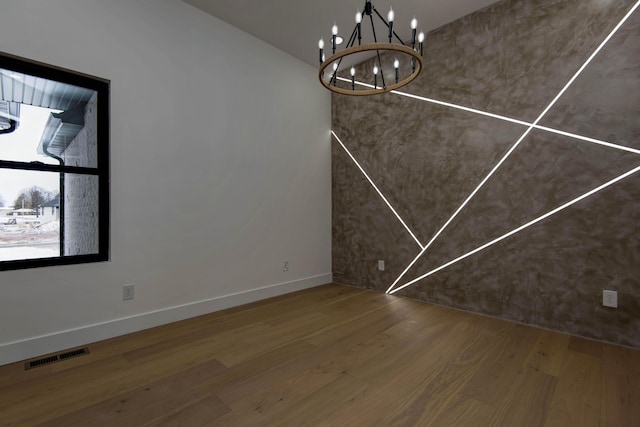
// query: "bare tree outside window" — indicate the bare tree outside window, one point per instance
point(32, 198)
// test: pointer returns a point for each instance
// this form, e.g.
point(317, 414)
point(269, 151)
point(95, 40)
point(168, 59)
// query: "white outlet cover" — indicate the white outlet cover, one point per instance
point(609, 298)
point(128, 292)
point(381, 265)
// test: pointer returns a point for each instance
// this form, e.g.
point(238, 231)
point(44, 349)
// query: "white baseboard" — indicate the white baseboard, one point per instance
point(36, 346)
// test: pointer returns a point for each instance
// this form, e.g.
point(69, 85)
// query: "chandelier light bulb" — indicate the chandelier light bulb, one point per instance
point(321, 44)
point(421, 37)
point(396, 64)
point(390, 17)
point(353, 78)
point(358, 23)
point(333, 76)
point(334, 30)
point(375, 77)
point(414, 25)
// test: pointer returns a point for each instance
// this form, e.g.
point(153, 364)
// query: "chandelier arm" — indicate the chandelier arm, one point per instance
point(384, 85)
point(387, 24)
point(334, 77)
point(353, 37)
point(373, 28)
point(375, 39)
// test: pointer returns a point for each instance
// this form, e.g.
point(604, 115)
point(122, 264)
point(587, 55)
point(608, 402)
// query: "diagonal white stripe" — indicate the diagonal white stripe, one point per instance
point(462, 206)
point(587, 139)
point(588, 61)
point(506, 119)
point(522, 227)
point(519, 122)
point(375, 187)
point(463, 108)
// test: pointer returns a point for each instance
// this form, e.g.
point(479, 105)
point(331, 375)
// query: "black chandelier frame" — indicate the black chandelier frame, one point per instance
point(352, 48)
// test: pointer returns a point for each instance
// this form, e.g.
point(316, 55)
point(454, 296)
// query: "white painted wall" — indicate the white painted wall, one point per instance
point(220, 170)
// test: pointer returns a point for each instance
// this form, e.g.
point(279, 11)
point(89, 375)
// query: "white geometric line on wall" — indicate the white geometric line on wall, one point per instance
point(587, 139)
point(461, 207)
point(503, 118)
point(482, 113)
point(375, 187)
point(517, 230)
point(517, 143)
point(520, 122)
point(444, 104)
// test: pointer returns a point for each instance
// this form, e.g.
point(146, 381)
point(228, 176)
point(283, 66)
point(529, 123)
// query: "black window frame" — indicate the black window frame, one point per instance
point(102, 87)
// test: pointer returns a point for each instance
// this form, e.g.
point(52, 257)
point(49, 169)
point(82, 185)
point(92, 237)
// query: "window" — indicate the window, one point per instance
point(54, 165)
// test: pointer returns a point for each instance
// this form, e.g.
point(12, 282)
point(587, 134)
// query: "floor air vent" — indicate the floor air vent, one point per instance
point(55, 358)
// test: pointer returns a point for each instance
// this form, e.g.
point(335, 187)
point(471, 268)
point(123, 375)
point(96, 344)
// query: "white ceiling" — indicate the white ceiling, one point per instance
point(295, 26)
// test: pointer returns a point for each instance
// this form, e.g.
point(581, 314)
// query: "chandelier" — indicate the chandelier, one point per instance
point(388, 72)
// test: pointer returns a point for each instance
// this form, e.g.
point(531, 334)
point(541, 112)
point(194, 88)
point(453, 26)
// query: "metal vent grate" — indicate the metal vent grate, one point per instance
point(56, 358)
point(73, 353)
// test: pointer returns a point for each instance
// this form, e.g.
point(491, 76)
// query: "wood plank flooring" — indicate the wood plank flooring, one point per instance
point(332, 356)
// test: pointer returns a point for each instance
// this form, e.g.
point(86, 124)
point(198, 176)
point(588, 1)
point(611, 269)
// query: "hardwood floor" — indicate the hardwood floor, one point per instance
point(332, 356)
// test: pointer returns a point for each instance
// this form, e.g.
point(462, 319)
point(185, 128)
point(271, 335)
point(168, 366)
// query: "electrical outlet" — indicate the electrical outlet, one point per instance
point(609, 298)
point(285, 266)
point(127, 292)
point(380, 265)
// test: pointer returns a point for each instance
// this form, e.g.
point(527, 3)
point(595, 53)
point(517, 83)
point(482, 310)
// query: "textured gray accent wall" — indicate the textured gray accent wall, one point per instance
point(511, 59)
